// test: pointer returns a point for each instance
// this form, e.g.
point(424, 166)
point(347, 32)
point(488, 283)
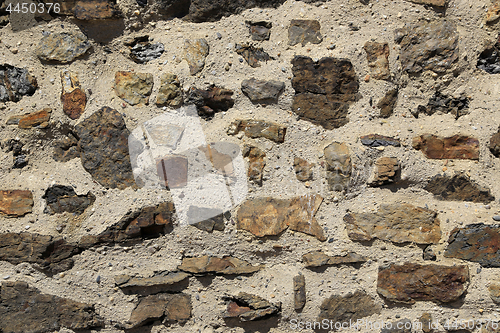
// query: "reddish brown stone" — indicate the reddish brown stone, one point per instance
point(493, 13)
point(387, 103)
point(377, 55)
point(96, 10)
point(385, 171)
point(300, 215)
point(226, 265)
point(411, 282)
point(36, 118)
point(454, 147)
point(256, 163)
point(16, 203)
point(73, 98)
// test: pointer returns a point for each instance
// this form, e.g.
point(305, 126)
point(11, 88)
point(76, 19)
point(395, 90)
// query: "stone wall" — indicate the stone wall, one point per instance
point(358, 140)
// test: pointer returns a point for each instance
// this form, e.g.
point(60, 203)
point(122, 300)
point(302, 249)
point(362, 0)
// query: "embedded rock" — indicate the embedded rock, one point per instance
point(385, 171)
point(18, 153)
point(86, 10)
point(458, 188)
point(210, 101)
point(304, 31)
point(303, 169)
point(252, 54)
point(377, 55)
point(199, 214)
point(195, 53)
point(170, 92)
point(494, 290)
point(15, 83)
point(489, 59)
point(142, 51)
point(73, 97)
point(398, 223)
point(62, 47)
point(247, 307)
point(225, 265)
point(160, 281)
point(40, 118)
point(16, 203)
point(260, 91)
point(318, 259)
point(256, 163)
point(495, 143)
point(454, 147)
point(410, 282)
point(66, 148)
point(133, 88)
point(338, 166)
point(299, 291)
point(437, 3)
point(300, 215)
point(259, 30)
point(376, 140)
point(387, 103)
point(258, 129)
point(350, 307)
point(62, 199)
point(444, 104)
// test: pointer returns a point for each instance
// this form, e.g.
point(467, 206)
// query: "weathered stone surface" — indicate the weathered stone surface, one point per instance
point(226, 265)
point(177, 179)
point(259, 30)
point(494, 290)
point(104, 148)
point(477, 243)
point(458, 187)
point(303, 169)
point(39, 118)
point(96, 10)
point(411, 282)
point(385, 171)
point(210, 101)
point(387, 103)
point(352, 306)
point(489, 59)
point(66, 148)
point(252, 54)
point(73, 97)
point(170, 92)
point(267, 216)
point(454, 147)
point(437, 3)
point(318, 259)
point(338, 166)
point(134, 88)
point(493, 13)
point(444, 104)
point(398, 223)
point(14, 120)
point(299, 291)
point(195, 53)
point(260, 91)
point(15, 83)
point(62, 47)
point(62, 199)
point(304, 31)
point(426, 320)
point(495, 143)
point(429, 45)
point(258, 129)
point(159, 280)
point(429, 254)
point(142, 51)
point(214, 223)
point(256, 163)
point(324, 90)
point(247, 307)
point(18, 153)
point(25, 309)
point(16, 203)
point(169, 307)
point(376, 140)
point(377, 55)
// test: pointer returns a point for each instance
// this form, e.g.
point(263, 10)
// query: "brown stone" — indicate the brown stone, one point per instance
point(387, 103)
point(454, 147)
point(16, 203)
point(350, 307)
point(458, 187)
point(493, 13)
point(96, 10)
point(259, 30)
point(300, 215)
point(66, 148)
point(304, 31)
point(377, 140)
point(210, 101)
point(398, 223)
point(195, 53)
point(318, 259)
point(324, 90)
point(62, 47)
point(170, 92)
point(411, 282)
point(256, 163)
point(338, 166)
point(62, 199)
point(299, 291)
point(247, 307)
point(495, 144)
point(260, 91)
point(377, 55)
point(426, 321)
point(437, 3)
point(133, 88)
point(385, 171)
point(494, 290)
point(258, 129)
point(253, 55)
point(14, 120)
point(26, 309)
point(173, 171)
point(35, 119)
point(303, 169)
point(73, 97)
point(225, 265)
point(160, 281)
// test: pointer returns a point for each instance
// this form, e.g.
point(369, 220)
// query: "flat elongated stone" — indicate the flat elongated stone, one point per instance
point(134, 88)
point(454, 147)
point(159, 280)
point(437, 3)
point(299, 291)
point(304, 31)
point(16, 203)
point(495, 144)
point(62, 199)
point(247, 307)
point(210, 101)
point(256, 163)
point(377, 55)
point(170, 92)
point(429, 45)
point(350, 307)
point(410, 282)
point(258, 129)
point(259, 30)
point(225, 265)
point(385, 171)
point(39, 118)
point(398, 223)
point(73, 97)
point(387, 103)
point(338, 166)
point(318, 259)
point(324, 90)
point(16, 82)
point(260, 91)
point(377, 140)
point(26, 309)
point(62, 47)
point(303, 169)
point(195, 53)
point(253, 55)
point(104, 148)
point(458, 187)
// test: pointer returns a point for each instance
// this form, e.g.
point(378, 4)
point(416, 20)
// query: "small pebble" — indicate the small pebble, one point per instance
point(487, 207)
point(6, 277)
point(98, 279)
point(218, 35)
point(496, 217)
point(330, 240)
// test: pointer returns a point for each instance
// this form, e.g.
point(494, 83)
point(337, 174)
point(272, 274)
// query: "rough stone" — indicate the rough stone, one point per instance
point(454, 147)
point(160, 281)
point(300, 215)
point(377, 55)
point(256, 163)
point(26, 309)
point(142, 51)
point(304, 31)
point(86, 10)
point(303, 169)
point(324, 90)
point(350, 307)
point(195, 53)
point(170, 92)
point(429, 45)
point(252, 54)
point(489, 59)
point(62, 47)
point(226, 265)
point(398, 223)
point(16, 203)
point(214, 223)
point(66, 148)
point(411, 282)
point(73, 97)
point(210, 101)
point(15, 82)
point(376, 140)
point(247, 307)
point(429, 254)
point(387, 103)
point(260, 30)
point(385, 171)
point(133, 88)
point(338, 166)
point(444, 104)
point(493, 13)
point(62, 199)
point(495, 143)
point(39, 118)
point(426, 321)
point(258, 129)
point(494, 290)
point(437, 3)
point(299, 291)
point(477, 243)
point(260, 91)
point(458, 187)
point(18, 153)
point(318, 259)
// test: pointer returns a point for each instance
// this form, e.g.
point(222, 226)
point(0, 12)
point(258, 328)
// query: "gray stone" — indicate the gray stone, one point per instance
point(338, 166)
point(304, 31)
point(15, 83)
point(195, 53)
point(62, 47)
point(350, 307)
point(299, 291)
point(260, 91)
point(142, 51)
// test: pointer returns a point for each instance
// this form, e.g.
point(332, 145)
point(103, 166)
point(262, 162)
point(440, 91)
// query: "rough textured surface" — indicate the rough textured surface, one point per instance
point(96, 10)
point(304, 31)
point(39, 118)
point(142, 51)
point(457, 146)
point(252, 54)
point(214, 223)
point(62, 47)
point(350, 307)
point(410, 282)
point(387, 103)
point(260, 30)
point(385, 171)
point(16, 82)
point(458, 187)
point(170, 92)
point(303, 169)
point(489, 59)
point(444, 104)
point(195, 52)
point(16, 203)
point(260, 91)
point(209, 101)
point(377, 55)
point(62, 198)
point(318, 259)
point(377, 140)
point(225, 265)
point(247, 307)
point(73, 97)
point(437, 3)
point(133, 88)
point(256, 164)
point(495, 143)
point(299, 291)
point(159, 281)
point(494, 290)
point(258, 129)
point(338, 166)
point(398, 223)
